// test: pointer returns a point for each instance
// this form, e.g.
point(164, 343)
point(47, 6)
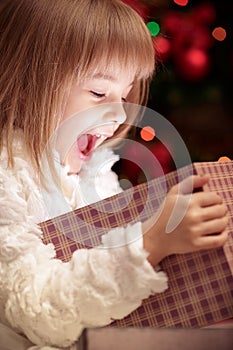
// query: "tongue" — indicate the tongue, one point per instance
point(83, 141)
point(86, 143)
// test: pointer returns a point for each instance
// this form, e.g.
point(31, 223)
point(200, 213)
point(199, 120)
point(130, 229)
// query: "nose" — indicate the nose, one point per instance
point(115, 113)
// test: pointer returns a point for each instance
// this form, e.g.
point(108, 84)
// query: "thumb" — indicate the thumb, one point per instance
point(200, 180)
point(187, 185)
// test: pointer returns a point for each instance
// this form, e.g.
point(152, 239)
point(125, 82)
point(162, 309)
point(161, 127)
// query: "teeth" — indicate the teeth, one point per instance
point(98, 136)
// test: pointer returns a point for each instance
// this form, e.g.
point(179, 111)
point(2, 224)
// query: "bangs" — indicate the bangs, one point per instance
point(117, 39)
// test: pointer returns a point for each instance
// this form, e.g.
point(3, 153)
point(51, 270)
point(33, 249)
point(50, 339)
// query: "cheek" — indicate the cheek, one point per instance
point(75, 103)
point(72, 107)
point(73, 161)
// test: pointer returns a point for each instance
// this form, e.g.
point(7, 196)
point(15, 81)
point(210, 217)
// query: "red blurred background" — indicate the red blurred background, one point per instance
point(192, 87)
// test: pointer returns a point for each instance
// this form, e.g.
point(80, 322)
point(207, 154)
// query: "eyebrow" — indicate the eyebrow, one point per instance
point(107, 77)
point(104, 76)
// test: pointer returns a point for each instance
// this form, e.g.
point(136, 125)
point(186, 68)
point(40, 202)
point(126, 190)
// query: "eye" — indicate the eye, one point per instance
point(97, 94)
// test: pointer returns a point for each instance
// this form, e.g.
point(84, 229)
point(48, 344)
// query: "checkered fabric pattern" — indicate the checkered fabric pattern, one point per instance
point(200, 289)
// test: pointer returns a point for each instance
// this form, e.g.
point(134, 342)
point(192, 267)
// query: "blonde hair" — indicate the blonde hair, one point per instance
point(46, 45)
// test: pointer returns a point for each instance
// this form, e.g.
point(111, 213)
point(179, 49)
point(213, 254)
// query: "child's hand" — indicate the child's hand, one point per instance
point(199, 222)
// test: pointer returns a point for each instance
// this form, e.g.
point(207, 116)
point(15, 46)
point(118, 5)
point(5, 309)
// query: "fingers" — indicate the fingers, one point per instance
point(210, 204)
point(213, 212)
point(187, 185)
point(207, 199)
point(210, 242)
point(203, 224)
point(214, 226)
point(200, 180)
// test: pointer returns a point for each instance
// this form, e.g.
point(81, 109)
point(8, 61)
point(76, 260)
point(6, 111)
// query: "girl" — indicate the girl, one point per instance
point(59, 58)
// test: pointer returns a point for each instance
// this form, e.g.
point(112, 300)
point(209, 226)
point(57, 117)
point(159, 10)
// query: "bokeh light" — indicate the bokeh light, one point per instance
point(154, 28)
point(181, 2)
point(147, 133)
point(196, 57)
point(194, 64)
point(219, 33)
point(163, 47)
point(224, 159)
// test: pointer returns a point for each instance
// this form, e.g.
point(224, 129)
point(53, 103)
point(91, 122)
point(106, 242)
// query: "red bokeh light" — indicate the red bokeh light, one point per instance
point(181, 2)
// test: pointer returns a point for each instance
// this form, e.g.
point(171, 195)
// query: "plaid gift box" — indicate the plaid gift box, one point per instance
point(200, 289)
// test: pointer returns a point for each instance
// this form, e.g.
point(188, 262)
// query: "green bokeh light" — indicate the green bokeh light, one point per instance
point(154, 28)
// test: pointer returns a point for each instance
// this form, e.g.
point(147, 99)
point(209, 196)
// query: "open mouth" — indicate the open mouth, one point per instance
point(86, 144)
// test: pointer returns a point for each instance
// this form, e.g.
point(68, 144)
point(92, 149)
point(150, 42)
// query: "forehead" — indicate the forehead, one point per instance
point(120, 65)
point(113, 73)
point(121, 77)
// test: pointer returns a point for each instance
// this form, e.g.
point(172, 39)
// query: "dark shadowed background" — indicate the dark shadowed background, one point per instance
point(192, 87)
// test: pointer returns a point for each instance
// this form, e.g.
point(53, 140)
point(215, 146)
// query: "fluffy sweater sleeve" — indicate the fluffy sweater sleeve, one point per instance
point(50, 301)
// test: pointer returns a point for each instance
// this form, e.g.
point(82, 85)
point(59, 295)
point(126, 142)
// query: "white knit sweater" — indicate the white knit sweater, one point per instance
point(49, 301)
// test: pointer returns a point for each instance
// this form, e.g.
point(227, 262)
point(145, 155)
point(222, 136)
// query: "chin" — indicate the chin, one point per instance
point(73, 169)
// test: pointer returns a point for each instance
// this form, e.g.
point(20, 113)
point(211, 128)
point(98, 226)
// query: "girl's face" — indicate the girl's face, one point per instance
point(93, 112)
